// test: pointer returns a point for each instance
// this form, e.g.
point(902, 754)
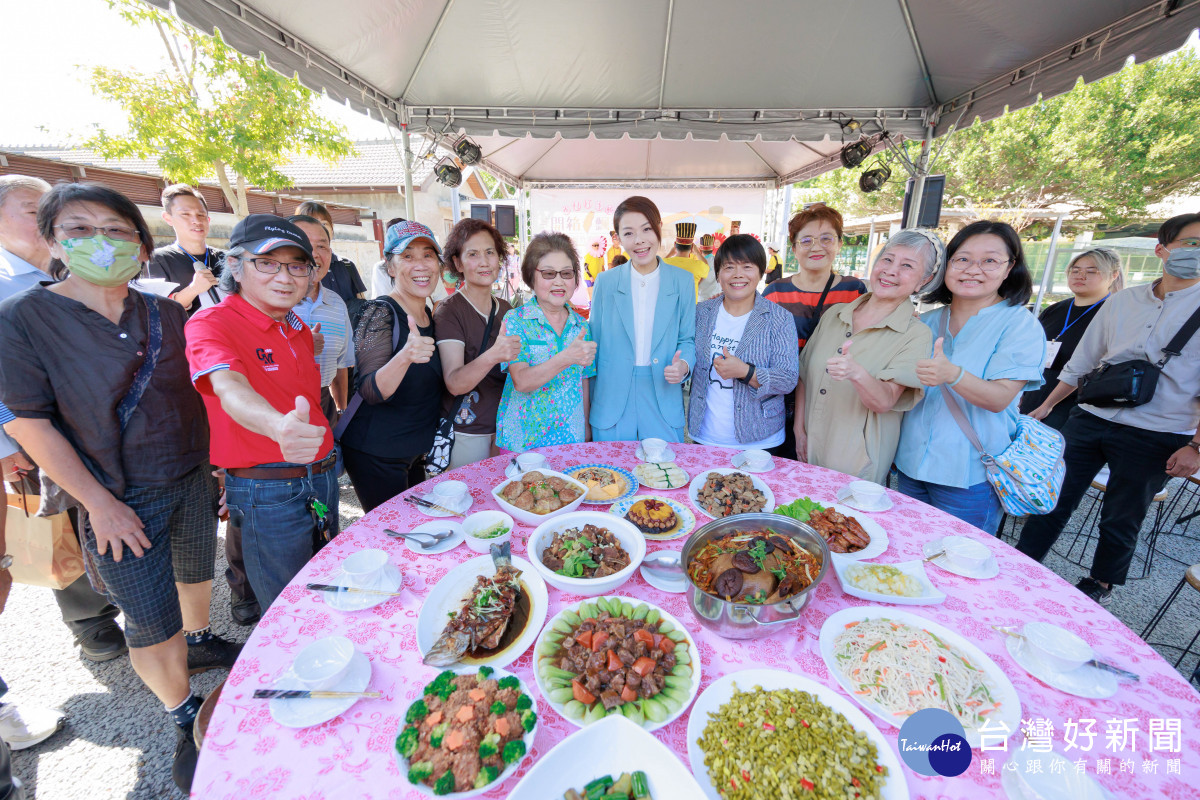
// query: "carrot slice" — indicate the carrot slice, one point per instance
point(628, 695)
point(598, 641)
point(477, 694)
point(584, 638)
point(502, 726)
point(454, 739)
point(434, 719)
point(581, 694)
point(465, 714)
point(643, 666)
point(646, 637)
point(614, 663)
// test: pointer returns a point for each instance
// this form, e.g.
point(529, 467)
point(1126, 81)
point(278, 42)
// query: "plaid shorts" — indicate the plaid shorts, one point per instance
point(180, 521)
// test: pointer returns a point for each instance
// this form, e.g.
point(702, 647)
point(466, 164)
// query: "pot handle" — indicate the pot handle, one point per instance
point(781, 618)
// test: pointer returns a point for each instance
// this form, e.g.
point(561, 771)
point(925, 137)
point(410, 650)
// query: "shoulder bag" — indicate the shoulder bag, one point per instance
point(437, 460)
point(1128, 384)
point(356, 401)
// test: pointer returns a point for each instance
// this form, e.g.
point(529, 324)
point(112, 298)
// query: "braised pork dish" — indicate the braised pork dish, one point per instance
point(540, 493)
point(726, 495)
point(587, 552)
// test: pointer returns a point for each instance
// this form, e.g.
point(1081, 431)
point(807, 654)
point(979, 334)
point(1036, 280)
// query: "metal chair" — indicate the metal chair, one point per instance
point(1192, 578)
point(1082, 544)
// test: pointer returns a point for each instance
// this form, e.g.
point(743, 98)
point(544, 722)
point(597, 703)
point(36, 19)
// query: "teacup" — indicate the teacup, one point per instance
point(867, 494)
point(654, 449)
point(756, 459)
point(1056, 647)
point(450, 494)
point(364, 567)
point(323, 663)
point(965, 552)
point(530, 461)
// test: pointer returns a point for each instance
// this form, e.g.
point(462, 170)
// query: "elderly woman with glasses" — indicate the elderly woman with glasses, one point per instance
point(1091, 276)
point(859, 368)
point(987, 349)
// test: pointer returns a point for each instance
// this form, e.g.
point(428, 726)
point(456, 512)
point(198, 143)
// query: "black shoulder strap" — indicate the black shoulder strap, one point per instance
point(824, 294)
point(1180, 340)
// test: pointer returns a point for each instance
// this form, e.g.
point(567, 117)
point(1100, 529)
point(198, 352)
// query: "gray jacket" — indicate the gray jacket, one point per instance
point(769, 343)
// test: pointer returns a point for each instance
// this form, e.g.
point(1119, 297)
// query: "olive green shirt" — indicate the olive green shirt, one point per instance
point(843, 434)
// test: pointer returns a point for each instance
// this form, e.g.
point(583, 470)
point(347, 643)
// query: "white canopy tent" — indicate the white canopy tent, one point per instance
point(634, 91)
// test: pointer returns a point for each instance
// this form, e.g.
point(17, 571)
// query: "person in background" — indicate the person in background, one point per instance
point(1091, 276)
point(593, 262)
point(614, 250)
point(343, 277)
point(10, 787)
point(470, 360)
point(96, 377)
point(987, 349)
point(188, 261)
point(749, 362)
point(25, 263)
point(683, 255)
point(381, 281)
point(709, 287)
point(1143, 445)
point(399, 373)
point(545, 398)
point(324, 312)
point(775, 264)
point(643, 320)
point(858, 372)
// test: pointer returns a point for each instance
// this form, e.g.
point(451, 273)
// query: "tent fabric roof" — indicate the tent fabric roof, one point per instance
point(695, 77)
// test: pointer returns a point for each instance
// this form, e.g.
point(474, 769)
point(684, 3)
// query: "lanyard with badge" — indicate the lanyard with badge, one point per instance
point(198, 266)
point(1054, 345)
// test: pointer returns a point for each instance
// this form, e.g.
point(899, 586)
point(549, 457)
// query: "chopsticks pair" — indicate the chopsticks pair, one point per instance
point(421, 502)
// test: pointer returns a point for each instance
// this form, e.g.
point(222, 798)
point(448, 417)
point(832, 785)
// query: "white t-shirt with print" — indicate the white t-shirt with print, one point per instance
point(717, 429)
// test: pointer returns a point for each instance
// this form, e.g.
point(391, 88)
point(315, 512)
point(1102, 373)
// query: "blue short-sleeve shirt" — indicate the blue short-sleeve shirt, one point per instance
point(999, 342)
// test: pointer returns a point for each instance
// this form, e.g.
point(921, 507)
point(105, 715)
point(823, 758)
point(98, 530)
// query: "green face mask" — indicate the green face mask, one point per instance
point(103, 261)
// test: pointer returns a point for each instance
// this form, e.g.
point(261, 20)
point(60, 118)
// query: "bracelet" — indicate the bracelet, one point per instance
point(749, 375)
point(961, 372)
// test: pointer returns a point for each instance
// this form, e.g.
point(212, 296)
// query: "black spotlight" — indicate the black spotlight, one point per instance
point(873, 179)
point(467, 151)
point(855, 153)
point(447, 173)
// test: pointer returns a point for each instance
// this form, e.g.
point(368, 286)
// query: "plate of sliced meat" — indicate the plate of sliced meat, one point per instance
point(849, 533)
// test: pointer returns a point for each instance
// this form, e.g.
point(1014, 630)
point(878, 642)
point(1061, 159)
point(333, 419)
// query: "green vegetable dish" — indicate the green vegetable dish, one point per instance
point(611, 657)
point(630, 786)
point(800, 508)
point(788, 744)
point(499, 529)
point(465, 731)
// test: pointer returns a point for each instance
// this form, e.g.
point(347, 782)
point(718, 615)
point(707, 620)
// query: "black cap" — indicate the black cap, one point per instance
point(262, 233)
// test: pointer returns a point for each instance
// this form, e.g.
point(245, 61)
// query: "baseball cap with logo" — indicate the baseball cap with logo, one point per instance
point(262, 233)
point(402, 234)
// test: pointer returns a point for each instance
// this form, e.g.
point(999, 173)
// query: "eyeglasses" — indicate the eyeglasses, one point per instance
point(825, 240)
point(551, 274)
point(988, 265)
point(1087, 272)
point(80, 231)
point(269, 266)
point(1191, 242)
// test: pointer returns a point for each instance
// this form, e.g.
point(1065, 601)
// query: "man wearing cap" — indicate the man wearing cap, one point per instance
point(774, 263)
point(683, 257)
point(614, 250)
point(253, 361)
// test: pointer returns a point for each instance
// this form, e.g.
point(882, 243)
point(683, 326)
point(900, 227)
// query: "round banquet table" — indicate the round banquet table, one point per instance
point(246, 754)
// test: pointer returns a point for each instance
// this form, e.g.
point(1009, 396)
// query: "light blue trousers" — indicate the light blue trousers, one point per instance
point(641, 419)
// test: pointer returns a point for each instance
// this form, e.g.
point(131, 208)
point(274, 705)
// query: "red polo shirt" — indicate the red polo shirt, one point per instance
point(275, 357)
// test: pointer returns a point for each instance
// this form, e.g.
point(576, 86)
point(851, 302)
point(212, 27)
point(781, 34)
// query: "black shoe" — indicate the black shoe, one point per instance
point(1092, 588)
point(245, 612)
point(183, 767)
point(103, 643)
point(216, 653)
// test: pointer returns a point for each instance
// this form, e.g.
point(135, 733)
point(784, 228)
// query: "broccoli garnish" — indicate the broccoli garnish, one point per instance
point(524, 702)
point(509, 682)
point(528, 719)
point(513, 751)
point(439, 731)
point(489, 746)
point(406, 742)
point(486, 776)
point(440, 684)
point(485, 673)
point(420, 771)
point(416, 711)
point(445, 784)
point(497, 708)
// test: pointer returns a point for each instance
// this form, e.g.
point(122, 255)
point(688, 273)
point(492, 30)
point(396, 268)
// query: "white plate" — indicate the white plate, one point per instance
point(462, 508)
point(722, 690)
point(668, 455)
point(698, 482)
point(314, 711)
point(441, 547)
point(693, 652)
point(931, 596)
point(879, 537)
point(390, 580)
point(1086, 681)
point(655, 579)
point(990, 569)
point(1002, 688)
point(846, 498)
point(528, 738)
point(640, 468)
point(739, 463)
point(450, 592)
point(687, 520)
point(631, 483)
point(609, 747)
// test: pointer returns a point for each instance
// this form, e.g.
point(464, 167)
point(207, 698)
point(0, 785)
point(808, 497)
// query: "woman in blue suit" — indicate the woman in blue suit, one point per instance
point(643, 320)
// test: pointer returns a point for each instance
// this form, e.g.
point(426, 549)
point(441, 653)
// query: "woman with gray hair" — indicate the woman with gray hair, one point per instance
point(1091, 276)
point(858, 371)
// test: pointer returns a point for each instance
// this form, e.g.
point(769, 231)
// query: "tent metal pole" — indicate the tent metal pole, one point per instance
point(1048, 272)
point(455, 206)
point(409, 212)
point(914, 209)
point(787, 213)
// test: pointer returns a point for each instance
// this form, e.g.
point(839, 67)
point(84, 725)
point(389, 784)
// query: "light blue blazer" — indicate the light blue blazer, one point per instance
point(611, 322)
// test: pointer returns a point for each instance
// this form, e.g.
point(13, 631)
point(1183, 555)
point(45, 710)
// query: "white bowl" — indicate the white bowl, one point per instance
point(481, 521)
point(529, 517)
point(631, 539)
point(364, 566)
point(966, 552)
point(324, 662)
point(1057, 647)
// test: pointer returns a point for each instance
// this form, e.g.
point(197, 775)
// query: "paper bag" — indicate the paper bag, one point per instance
point(45, 550)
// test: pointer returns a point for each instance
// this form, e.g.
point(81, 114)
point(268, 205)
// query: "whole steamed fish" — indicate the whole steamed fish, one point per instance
point(485, 614)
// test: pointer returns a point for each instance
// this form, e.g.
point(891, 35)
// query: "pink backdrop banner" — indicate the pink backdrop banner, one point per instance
point(246, 754)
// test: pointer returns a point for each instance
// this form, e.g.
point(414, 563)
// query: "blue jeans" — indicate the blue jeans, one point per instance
point(977, 505)
point(278, 529)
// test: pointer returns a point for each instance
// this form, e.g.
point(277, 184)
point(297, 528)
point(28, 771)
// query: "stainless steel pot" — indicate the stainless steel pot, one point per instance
point(744, 620)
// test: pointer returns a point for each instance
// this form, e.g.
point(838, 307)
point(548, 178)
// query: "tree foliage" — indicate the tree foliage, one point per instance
point(213, 113)
point(1108, 150)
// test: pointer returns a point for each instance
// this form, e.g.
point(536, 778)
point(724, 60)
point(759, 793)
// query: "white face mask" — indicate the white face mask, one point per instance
point(1184, 263)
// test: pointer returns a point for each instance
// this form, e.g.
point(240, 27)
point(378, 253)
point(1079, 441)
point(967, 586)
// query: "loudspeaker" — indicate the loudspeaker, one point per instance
point(481, 212)
point(931, 201)
point(506, 220)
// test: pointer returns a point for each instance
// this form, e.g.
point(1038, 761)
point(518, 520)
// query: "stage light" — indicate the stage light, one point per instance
point(873, 179)
point(447, 173)
point(850, 126)
point(467, 151)
point(855, 153)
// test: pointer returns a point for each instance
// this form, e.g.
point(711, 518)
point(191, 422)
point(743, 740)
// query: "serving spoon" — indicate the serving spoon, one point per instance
point(668, 563)
point(423, 539)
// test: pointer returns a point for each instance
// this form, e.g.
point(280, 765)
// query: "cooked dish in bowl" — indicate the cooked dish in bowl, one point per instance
point(539, 493)
point(587, 552)
point(757, 567)
point(726, 495)
point(603, 484)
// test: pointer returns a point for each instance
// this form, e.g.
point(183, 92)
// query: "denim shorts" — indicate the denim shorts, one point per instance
point(180, 520)
point(277, 526)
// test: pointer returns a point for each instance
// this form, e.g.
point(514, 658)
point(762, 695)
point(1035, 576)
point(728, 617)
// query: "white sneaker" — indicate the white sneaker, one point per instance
point(25, 726)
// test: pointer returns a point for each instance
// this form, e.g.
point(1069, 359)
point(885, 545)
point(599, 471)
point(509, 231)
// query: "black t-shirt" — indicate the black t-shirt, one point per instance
point(343, 279)
point(1054, 320)
point(173, 263)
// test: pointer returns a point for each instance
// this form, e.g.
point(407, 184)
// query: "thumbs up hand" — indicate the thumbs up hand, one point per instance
point(677, 370)
point(318, 339)
point(298, 441)
point(580, 351)
point(843, 367)
point(506, 347)
point(417, 349)
point(937, 370)
point(730, 367)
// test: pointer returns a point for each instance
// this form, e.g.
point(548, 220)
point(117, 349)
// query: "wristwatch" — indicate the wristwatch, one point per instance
point(1194, 445)
point(749, 373)
point(6, 561)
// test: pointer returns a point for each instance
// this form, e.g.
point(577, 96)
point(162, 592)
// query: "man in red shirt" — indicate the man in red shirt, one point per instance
point(252, 360)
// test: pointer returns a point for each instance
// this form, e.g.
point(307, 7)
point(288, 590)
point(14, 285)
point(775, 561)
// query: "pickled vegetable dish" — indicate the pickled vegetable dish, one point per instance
point(756, 567)
point(629, 786)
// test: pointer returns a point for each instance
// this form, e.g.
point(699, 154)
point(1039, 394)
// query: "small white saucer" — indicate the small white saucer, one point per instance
point(314, 711)
point(462, 508)
point(740, 463)
point(441, 547)
point(655, 579)
point(847, 498)
point(668, 455)
point(1086, 681)
point(990, 568)
point(390, 580)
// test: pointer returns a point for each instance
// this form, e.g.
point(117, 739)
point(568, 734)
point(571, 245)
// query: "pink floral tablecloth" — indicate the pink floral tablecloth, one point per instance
point(246, 754)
